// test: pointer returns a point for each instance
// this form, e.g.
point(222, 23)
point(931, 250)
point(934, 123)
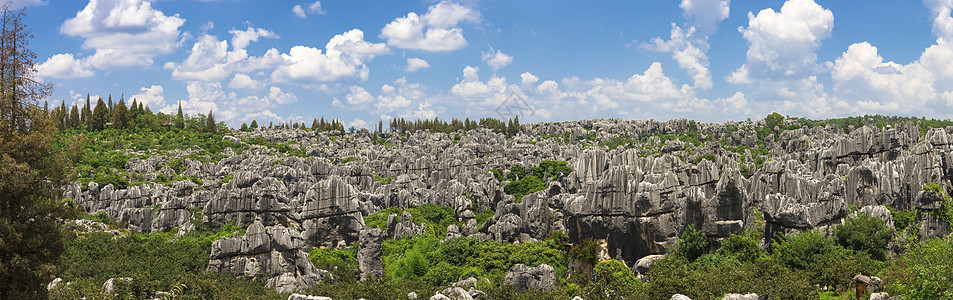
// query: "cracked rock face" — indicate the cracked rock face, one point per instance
point(271, 251)
point(637, 197)
point(525, 278)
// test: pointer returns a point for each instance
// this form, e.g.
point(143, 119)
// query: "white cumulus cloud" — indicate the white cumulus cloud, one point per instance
point(313, 8)
point(124, 33)
point(437, 30)
point(414, 64)
point(153, 96)
point(496, 60)
point(64, 66)
point(345, 56)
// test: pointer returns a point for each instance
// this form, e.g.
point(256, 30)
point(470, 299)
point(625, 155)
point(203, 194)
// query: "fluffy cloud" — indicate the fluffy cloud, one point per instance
point(866, 79)
point(528, 78)
point(211, 60)
point(437, 30)
point(689, 43)
point(64, 66)
point(358, 96)
point(243, 81)
point(705, 14)
point(860, 74)
point(313, 8)
point(496, 60)
point(689, 52)
point(414, 64)
point(153, 96)
point(124, 33)
point(784, 44)
point(398, 96)
point(345, 56)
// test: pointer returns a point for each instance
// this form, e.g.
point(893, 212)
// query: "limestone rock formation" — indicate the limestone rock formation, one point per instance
point(637, 197)
point(537, 278)
point(369, 254)
point(274, 251)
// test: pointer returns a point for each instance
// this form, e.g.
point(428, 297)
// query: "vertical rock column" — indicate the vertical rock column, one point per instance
point(369, 253)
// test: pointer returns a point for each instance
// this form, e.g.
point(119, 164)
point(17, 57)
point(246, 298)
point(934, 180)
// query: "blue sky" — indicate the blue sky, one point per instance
point(363, 61)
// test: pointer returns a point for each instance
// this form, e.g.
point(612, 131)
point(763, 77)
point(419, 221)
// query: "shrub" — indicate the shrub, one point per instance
point(744, 247)
point(923, 271)
point(692, 244)
point(584, 250)
point(865, 234)
point(341, 262)
point(614, 273)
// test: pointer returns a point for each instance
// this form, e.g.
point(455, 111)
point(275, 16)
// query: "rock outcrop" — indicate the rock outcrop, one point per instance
point(537, 278)
point(273, 251)
point(369, 254)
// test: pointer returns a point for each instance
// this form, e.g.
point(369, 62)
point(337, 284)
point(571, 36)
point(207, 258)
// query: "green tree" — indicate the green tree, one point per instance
point(923, 271)
point(73, 117)
point(179, 118)
point(120, 115)
point(100, 116)
point(865, 234)
point(692, 244)
point(254, 124)
point(210, 124)
point(774, 120)
point(32, 172)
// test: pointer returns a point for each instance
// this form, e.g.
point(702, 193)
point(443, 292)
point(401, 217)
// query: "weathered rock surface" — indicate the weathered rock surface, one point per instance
point(749, 296)
point(537, 278)
point(273, 250)
point(369, 254)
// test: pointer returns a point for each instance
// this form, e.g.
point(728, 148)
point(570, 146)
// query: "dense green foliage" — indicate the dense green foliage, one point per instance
point(865, 234)
point(436, 218)
point(341, 262)
point(155, 262)
point(104, 157)
point(523, 182)
point(923, 271)
point(691, 245)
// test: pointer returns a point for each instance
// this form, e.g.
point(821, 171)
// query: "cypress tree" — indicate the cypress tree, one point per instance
point(210, 123)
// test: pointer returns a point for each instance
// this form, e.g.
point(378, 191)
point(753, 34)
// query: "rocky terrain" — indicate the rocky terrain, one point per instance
point(635, 186)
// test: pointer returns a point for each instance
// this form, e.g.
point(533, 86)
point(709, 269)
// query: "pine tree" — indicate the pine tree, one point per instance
point(100, 116)
point(179, 118)
point(86, 112)
point(110, 104)
point(210, 124)
point(120, 115)
point(254, 124)
point(73, 117)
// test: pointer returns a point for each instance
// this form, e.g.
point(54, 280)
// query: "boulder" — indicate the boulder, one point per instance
point(749, 296)
point(525, 278)
point(111, 284)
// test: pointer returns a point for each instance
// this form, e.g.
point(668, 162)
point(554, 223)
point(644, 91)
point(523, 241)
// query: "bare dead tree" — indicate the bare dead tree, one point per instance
point(20, 91)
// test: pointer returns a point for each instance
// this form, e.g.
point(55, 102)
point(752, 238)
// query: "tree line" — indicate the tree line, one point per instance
point(107, 114)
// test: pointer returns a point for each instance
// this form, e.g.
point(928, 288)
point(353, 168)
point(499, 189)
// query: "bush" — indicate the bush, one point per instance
point(584, 250)
point(341, 262)
point(865, 234)
point(744, 247)
point(923, 271)
point(614, 273)
point(692, 244)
